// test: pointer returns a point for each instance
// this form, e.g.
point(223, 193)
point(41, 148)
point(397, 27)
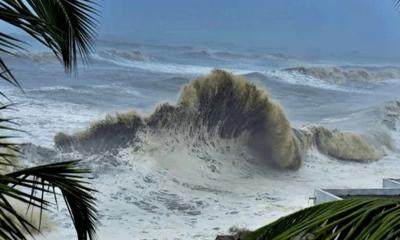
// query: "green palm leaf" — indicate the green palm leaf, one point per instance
point(9, 151)
point(68, 178)
point(357, 218)
point(30, 186)
point(66, 27)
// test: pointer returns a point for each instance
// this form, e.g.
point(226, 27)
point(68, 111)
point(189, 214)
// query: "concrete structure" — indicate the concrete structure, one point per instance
point(391, 183)
point(326, 195)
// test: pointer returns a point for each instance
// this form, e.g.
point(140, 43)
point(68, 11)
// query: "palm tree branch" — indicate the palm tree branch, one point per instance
point(358, 218)
point(67, 27)
point(7, 75)
point(12, 224)
point(66, 177)
point(9, 151)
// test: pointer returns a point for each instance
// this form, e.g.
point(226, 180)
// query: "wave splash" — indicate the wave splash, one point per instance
point(336, 144)
point(225, 107)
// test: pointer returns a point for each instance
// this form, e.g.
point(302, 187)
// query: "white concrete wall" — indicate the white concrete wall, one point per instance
point(321, 196)
point(326, 195)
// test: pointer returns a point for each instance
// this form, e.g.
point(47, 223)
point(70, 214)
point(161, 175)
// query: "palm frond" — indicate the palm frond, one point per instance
point(67, 27)
point(9, 151)
point(357, 218)
point(64, 176)
point(13, 225)
point(29, 186)
point(7, 76)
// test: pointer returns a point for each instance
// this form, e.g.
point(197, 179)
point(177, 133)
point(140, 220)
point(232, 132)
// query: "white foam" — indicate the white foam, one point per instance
point(156, 198)
point(43, 118)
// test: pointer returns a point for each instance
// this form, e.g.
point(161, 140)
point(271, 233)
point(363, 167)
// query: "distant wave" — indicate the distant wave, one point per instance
point(343, 74)
point(160, 67)
point(172, 68)
point(217, 54)
point(296, 78)
point(40, 57)
point(197, 54)
point(106, 54)
point(80, 94)
point(114, 54)
point(231, 55)
point(222, 107)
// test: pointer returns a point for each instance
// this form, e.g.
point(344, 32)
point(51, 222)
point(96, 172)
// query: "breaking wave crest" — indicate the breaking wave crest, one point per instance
point(344, 74)
point(216, 108)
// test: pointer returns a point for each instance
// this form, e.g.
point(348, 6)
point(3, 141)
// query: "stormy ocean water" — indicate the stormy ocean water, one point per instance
point(190, 170)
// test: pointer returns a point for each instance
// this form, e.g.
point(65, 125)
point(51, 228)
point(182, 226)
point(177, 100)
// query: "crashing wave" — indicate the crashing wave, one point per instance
point(340, 145)
point(109, 133)
point(228, 106)
point(391, 115)
point(223, 106)
point(343, 74)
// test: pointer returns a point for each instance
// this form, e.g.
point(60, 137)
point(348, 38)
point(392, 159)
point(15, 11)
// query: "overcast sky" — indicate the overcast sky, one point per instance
point(367, 26)
point(311, 25)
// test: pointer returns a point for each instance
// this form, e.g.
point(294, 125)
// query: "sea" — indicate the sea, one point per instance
point(164, 187)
